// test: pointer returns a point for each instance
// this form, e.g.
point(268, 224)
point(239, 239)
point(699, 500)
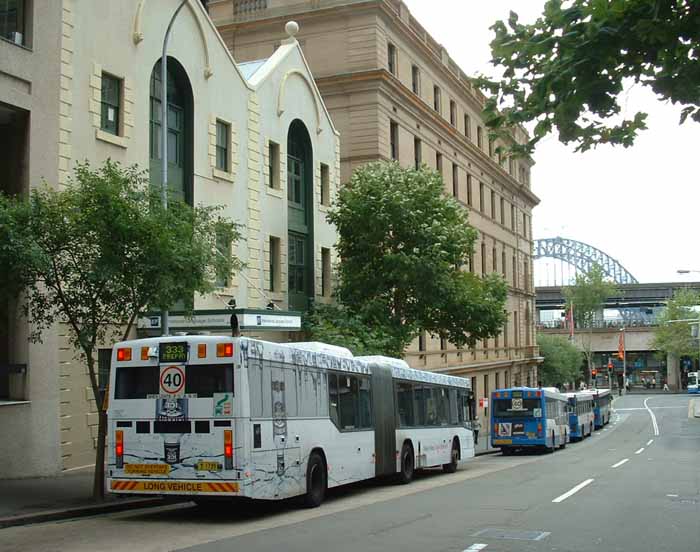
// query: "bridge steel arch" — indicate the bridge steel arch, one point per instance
point(582, 256)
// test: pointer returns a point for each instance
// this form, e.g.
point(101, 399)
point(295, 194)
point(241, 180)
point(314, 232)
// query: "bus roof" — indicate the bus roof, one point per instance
point(550, 392)
point(585, 395)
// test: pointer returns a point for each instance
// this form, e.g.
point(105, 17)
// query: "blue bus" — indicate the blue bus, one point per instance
point(602, 398)
point(524, 417)
point(581, 417)
point(693, 383)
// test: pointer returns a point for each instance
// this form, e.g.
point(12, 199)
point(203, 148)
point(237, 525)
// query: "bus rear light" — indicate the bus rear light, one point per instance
point(498, 395)
point(539, 429)
point(119, 448)
point(228, 449)
point(224, 350)
point(538, 393)
point(124, 355)
point(144, 353)
point(202, 350)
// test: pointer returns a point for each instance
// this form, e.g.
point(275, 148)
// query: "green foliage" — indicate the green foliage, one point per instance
point(562, 360)
point(588, 295)
point(675, 337)
point(402, 244)
point(18, 251)
point(336, 325)
point(567, 70)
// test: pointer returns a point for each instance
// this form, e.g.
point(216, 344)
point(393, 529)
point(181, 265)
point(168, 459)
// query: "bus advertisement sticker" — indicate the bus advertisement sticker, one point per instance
point(169, 409)
point(223, 404)
point(504, 429)
point(518, 428)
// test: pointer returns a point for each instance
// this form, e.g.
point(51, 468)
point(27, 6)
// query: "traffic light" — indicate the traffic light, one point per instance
point(594, 372)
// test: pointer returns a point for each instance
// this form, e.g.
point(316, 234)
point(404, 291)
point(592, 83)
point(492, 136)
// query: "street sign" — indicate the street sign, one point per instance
point(483, 403)
point(172, 381)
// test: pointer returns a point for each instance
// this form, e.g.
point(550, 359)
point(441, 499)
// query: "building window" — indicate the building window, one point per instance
point(12, 20)
point(415, 79)
point(223, 249)
point(515, 276)
point(391, 61)
point(503, 211)
point(505, 343)
point(421, 341)
point(437, 100)
point(512, 217)
point(443, 344)
point(223, 140)
point(516, 326)
point(469, 190)
point(493, 204)
point(275, 264)
point(526, 273)
point(325, 272)
point(483, 258)
point(453, 113)
point(511, 166)
point(438, 162)
point(474, 390)
point(111, 102)
point(468, 126)
point(417, 152)
point(394, 140)
point(490, 147)
point(482, 200)
point(497, 382)
point(325, 185)
point(479, 137)
point(274, 165)
point(471, 261)
point(486, 386)
point(455, 180)
point(503, 263)
point(524, 225)
point(494, 258)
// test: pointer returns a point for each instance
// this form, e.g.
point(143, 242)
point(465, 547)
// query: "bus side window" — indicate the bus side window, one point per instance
point(255, 385)
point(454, 407)
point(348, 394)
point(420, 396)
point(443, 405)
point(404, 404)
point(290, 374)
point(333, 398)
point(365, 403)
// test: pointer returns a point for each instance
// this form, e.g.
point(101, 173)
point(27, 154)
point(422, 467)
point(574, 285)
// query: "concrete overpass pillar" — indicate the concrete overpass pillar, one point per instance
point(673, 372)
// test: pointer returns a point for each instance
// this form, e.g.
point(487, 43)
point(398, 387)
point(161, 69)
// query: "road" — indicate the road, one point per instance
point(634, 486)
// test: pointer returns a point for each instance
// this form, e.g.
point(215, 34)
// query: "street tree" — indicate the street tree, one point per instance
point(104, 250)
point(675, 337)
point(562, 360)
point(567, 71)
point(587, 299)
point(403, 245)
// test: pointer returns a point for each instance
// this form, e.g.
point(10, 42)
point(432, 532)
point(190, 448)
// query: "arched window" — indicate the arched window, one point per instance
point(300, 173)
point(180, 131)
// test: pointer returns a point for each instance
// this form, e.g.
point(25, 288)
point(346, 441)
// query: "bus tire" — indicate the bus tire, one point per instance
point(554, 443)
point(563, 443)
point(506, 451)
point(316, 481)
point(451, 467)
point(407, 464)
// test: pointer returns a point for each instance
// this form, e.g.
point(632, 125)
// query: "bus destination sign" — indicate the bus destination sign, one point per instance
point(173, 352)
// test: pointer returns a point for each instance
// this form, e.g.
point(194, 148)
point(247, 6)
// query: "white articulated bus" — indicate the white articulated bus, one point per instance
point(214, 416)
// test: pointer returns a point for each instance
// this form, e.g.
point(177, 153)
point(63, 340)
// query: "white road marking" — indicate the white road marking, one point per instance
point(620, 463)
point(626, 409)
point(573, 491)
point(672, 495)
point(650, 441)
point(543, 535)
point(475, 547)
point(639, 451)
point(653, 417)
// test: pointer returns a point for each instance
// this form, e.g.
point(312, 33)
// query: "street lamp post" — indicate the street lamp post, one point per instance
point(164, 323)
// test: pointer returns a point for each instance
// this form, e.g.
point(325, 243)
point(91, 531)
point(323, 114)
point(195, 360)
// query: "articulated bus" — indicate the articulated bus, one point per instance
point(523, 417)
point(602, 398)
point(693, 382)
point(581, 417)
point(210, 417)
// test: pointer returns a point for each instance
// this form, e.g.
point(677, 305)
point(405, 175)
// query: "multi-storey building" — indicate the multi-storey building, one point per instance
point(394, 93)
point(81, 80)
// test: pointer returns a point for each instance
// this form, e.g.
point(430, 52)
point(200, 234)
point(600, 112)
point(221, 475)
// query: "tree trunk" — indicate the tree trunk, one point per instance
point(98, 487)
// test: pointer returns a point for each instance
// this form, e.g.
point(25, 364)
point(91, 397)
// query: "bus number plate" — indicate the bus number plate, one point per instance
point(208, 466)
point(147, 469)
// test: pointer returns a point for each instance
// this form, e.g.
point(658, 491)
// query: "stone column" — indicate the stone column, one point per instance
point(673, 372)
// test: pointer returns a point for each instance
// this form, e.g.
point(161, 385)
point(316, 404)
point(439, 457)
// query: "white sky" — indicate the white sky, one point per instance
point(639, 205)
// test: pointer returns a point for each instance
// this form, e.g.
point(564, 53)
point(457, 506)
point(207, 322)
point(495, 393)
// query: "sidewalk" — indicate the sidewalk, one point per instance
point(36, 500)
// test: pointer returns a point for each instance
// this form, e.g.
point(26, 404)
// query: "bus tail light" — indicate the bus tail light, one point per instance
point(119, 448)
point(124, 354)
point(538, 393)
point(498, 395)
point(228, 449)
point(202, 350)
point(539, 430)
point(144, 353)
point(224, 350)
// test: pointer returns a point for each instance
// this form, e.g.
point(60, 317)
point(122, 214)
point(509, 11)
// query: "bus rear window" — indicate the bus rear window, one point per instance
point(516, 408)
point(202, 381)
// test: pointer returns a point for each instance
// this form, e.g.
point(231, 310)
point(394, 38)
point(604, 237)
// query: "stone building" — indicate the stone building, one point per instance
point(395, 93)
point(80, 80)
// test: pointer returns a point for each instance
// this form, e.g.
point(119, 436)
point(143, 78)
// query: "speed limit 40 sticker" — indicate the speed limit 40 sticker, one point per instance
point(172, 381)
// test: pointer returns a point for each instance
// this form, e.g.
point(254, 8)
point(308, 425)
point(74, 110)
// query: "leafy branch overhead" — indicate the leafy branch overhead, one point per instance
point(568, 70)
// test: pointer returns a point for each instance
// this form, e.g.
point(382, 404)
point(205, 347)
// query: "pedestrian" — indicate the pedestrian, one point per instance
point(653, 382)
point(476, 426)
point(666, 386)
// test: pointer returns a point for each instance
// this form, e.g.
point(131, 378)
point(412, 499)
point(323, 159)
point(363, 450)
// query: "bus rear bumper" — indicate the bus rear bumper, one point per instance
point(173, 488)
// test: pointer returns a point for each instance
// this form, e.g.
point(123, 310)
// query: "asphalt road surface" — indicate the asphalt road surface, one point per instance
point(634, 486)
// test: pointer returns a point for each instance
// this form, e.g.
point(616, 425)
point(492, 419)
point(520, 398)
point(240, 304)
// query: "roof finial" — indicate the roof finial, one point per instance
point(292, 28)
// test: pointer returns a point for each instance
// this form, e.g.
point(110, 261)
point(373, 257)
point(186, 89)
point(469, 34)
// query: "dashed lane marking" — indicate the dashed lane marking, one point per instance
point(573, 491)
point(620, 463)
point(672, 495)
point(475, 547)
point(650, 441)
point(639, 451)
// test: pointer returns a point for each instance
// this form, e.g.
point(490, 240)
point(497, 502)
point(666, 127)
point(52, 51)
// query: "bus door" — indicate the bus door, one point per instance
point(384, 420)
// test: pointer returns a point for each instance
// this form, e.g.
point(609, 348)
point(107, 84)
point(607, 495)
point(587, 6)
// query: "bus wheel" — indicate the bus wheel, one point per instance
point(563, 443)
point(506, 451)
point(554, 443)
point(315, 481)
point(454, 459)
point(407, 470)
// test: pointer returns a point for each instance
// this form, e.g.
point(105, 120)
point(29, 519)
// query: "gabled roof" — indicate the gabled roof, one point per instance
point(249, 68)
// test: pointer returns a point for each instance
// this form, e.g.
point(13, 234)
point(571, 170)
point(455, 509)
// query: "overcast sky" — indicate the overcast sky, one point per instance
point(639, 205)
